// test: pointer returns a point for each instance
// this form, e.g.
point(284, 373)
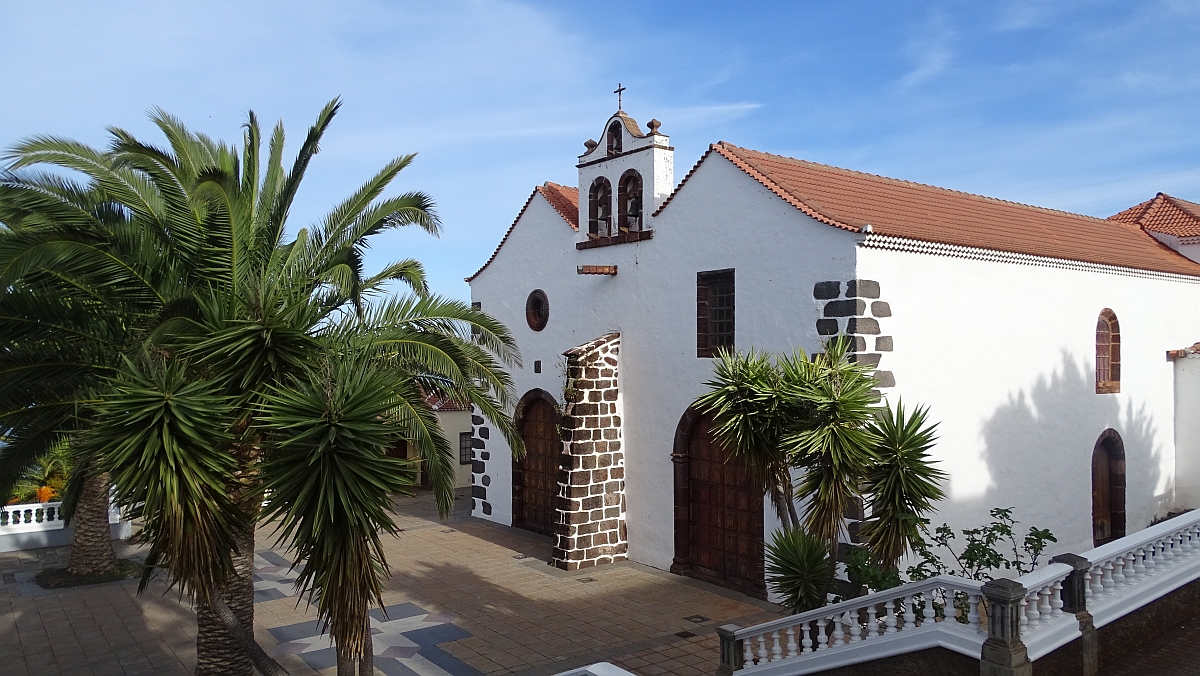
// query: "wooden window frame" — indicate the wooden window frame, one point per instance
point(537, 320)
point(629, 218)
point(704, 311)
point(464, 447)
point(1108, 353)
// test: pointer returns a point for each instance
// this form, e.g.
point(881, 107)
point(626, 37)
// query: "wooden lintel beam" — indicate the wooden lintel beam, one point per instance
point(596, 270)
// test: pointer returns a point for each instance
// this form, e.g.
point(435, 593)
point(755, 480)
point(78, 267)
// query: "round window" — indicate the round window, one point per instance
point(537, 310)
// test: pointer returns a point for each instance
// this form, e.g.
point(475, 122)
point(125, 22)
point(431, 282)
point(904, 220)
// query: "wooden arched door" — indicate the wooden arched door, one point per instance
point(719, 533)
point(535, 477)
point(1108, 488)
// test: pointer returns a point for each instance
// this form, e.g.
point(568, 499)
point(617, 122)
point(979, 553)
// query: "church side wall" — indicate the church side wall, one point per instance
point(1004, 356)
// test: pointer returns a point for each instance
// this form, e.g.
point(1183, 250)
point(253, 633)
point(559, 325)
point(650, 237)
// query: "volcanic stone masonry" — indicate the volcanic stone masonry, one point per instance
point(591, 498)
point(857, 315)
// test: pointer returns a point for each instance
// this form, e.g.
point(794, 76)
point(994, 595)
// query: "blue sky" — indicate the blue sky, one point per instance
point(1084, 106)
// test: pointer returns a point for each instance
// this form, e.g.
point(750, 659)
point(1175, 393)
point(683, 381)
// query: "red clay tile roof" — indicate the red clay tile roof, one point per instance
point(1165, 214)
point(565, 201)
point(444, 404)
point(850, 200)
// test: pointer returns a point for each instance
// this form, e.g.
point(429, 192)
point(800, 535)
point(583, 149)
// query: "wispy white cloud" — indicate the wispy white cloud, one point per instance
point(930, 51)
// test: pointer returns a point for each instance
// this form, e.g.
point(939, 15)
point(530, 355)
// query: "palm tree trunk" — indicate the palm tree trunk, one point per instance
point(91, 542)
point(219, 652)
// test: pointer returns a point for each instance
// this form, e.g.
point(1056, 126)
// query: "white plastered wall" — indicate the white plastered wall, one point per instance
point(720, 219)
point(1004, 356)
point(1187, 430)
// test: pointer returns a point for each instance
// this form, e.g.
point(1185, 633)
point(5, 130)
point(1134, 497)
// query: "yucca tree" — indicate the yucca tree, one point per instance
point(902, 485)
point(331, 481)
point(751, 415)
point(262, 314)
point(819, 417)
point(833, 446)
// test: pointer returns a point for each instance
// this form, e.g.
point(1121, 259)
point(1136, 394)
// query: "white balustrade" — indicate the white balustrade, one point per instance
point(1134, 570)
point(848, 625)
point(30, 518)
point(1124, 575)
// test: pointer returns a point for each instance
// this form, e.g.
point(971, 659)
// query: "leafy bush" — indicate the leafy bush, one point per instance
point(983, 551)
point(862, 570)
point(797, 568)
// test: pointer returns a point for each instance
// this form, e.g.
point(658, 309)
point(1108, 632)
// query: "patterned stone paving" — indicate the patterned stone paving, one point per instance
point(466, 598)
point(405, 638)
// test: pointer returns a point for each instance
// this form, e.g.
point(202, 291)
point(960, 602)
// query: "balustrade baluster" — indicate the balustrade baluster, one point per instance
point(806, 642)
point(1107, 581)
point(1167, 555)
point(762, 649)
point(821, 644)
point(1043, 603)
point(910, 617)
point(776, 649)
point(890, 620)
point(929, 613)
point(1139, 563)
point(1056, 602)
point(748, 650)
point(872, 622)
point(855, 627)
point(839, 636)
point(1031, 609)
point(973, 613)
point(1118, 572)
point(791, 644)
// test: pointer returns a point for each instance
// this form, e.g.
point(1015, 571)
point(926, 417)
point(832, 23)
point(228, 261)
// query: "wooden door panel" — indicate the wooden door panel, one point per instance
point(725, 516)
point(538, 470)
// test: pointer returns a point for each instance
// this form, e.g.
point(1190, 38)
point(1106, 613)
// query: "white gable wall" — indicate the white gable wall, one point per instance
point(720, 219)
point(1004, 356)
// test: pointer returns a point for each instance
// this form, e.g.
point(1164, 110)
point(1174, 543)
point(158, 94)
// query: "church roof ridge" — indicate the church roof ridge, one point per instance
point(850, 200)
point(1164, 214)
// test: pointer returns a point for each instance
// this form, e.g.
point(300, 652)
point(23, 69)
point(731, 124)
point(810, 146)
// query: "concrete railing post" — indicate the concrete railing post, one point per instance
point(1003, 652)
point(731, 650)
point(1074, 596)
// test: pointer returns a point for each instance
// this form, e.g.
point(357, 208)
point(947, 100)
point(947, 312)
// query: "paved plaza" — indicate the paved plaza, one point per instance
point(466, 598)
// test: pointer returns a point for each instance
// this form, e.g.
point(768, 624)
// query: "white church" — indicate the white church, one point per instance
point(1051, 347)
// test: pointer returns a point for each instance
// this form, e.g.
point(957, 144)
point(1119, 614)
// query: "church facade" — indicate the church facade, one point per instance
point(1050, 347)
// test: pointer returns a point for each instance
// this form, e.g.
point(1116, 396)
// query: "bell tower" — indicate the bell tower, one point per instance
point(623, 179)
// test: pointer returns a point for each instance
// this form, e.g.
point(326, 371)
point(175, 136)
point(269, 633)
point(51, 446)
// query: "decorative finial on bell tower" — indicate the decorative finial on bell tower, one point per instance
point(618, 91)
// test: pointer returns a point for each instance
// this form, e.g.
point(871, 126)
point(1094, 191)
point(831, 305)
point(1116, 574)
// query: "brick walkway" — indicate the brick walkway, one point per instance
point(465, 598)
point(1173, 653)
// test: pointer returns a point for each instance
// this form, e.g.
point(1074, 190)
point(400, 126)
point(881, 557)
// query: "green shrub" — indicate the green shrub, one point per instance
point(797, 568)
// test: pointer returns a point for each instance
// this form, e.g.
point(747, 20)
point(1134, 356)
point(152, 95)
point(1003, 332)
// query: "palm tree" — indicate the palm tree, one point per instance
point(261, 315)
point(80, 285)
